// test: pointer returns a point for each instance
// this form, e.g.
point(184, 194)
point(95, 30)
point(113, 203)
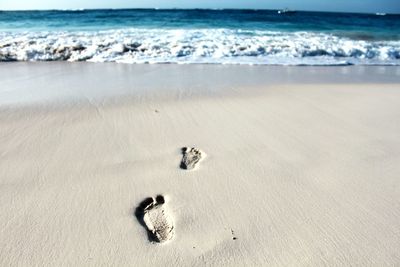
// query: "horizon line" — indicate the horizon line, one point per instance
point(177, 8)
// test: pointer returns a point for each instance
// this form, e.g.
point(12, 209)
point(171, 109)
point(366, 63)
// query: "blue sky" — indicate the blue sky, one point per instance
point(389, 6)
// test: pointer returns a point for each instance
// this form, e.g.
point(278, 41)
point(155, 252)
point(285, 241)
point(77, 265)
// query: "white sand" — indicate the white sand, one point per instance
point(300, 175)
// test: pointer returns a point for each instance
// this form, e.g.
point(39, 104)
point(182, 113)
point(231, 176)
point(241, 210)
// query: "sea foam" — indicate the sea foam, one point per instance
point(221, 46)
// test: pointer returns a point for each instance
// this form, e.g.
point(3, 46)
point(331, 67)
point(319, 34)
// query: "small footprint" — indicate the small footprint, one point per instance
point(153, 215)
point(191, 156)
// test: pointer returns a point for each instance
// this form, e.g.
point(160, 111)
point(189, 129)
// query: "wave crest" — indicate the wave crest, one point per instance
point(197, 46)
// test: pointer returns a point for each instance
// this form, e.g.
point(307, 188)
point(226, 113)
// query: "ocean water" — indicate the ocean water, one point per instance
point(200, 36)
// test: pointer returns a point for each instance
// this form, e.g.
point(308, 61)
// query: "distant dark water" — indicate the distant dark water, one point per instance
point(201, 36)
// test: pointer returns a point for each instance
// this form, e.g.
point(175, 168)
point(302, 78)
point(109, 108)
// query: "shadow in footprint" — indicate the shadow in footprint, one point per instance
point(139, 214)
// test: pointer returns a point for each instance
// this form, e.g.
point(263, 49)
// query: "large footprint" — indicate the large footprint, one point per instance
point(152, 214)
point(191, 156)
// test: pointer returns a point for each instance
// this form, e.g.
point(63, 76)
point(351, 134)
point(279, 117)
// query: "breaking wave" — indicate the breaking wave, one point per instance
point(220, 46)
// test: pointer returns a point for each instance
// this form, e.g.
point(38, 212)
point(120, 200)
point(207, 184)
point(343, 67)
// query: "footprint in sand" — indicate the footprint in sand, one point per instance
point(191, 156)
point(152, 214)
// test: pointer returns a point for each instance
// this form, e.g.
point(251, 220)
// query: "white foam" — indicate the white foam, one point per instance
point(222, 46)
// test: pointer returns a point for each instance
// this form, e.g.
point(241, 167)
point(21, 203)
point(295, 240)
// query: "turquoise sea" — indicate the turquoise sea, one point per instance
point(200, 36)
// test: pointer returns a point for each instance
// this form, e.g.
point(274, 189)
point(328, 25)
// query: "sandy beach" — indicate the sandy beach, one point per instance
point(302, 165)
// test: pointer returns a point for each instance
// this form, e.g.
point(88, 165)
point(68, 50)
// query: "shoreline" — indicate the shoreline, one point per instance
point(46, 82)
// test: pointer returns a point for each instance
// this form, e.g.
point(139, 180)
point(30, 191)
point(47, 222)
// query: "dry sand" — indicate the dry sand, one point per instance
point(295, 175)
